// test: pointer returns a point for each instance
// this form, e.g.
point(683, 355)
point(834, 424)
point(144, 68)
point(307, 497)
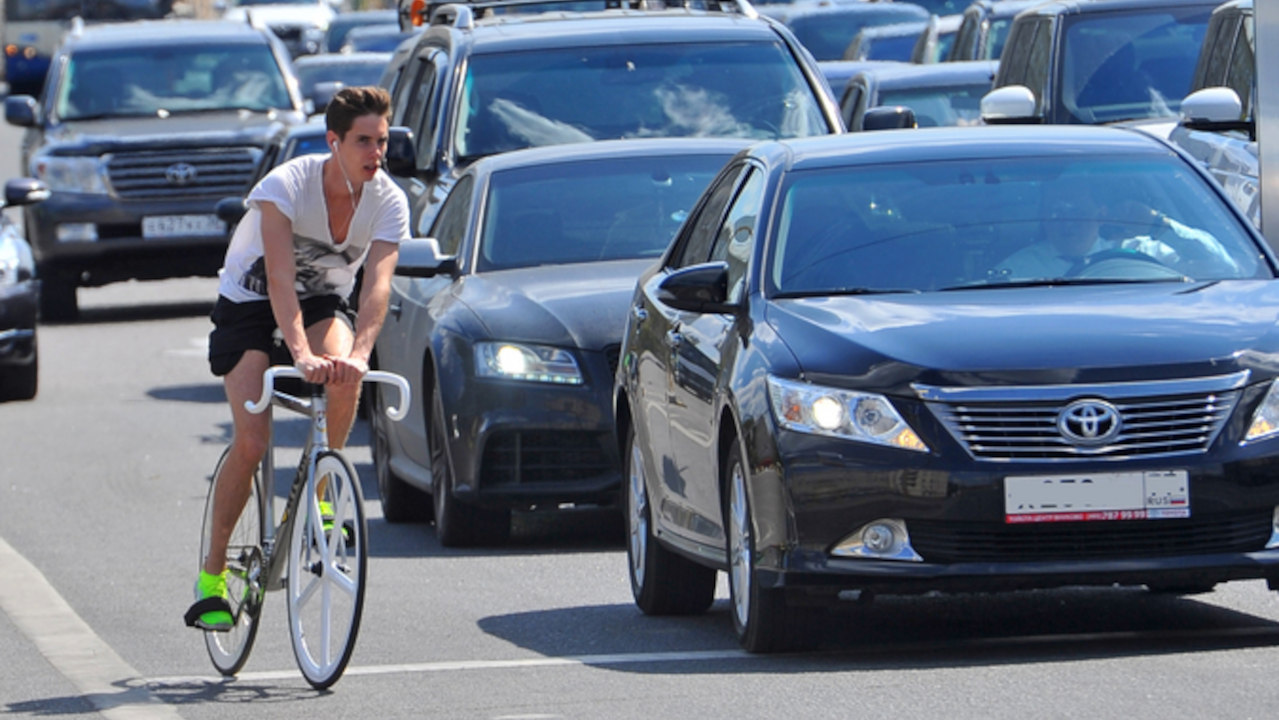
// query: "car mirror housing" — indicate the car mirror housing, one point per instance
point(421, 258)
point(1214, 109)
point(698, 288)
point(401, 155)
point(889, 117)
point(1009, 105)
point(21, 110)
point(230, 210)
point(24, 191)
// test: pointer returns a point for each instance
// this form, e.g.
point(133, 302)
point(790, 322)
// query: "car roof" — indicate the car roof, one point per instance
point(1003, 8)
point(605, 149)
point(164, 32)
point(353, 58)
point(930, 75)
point(956, 143)
point(810, 8)
point(1077, 7)
point(901, 29)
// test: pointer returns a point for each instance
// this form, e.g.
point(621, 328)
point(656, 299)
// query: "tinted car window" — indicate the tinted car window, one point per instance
point(587, 212)
point(450, 225)
point(920, 227)
point(1243, 63)
point(699, 237)
point(940, 106)
point(827, 34)
point(737, 237)
point(149, 80)
point(547, 97)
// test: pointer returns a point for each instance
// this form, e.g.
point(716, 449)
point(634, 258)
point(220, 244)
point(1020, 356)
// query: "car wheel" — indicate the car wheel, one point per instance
point(58, 298)
point(19, 382)
point(457, 524)
point(761, 616)
point(662, 582)
point(401, 502)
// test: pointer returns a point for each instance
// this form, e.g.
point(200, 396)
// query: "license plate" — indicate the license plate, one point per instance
point(1144, 495)
point(169, 226)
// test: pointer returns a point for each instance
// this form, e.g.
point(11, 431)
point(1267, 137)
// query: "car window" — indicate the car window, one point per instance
point(608, 209)
point(736, 240)
point(850, 107)
point(553, 96)
point(421, 91)
point(703, 228)
point(1241, 76)
point(996, 35)
point(923, 227)
point(827, 34)
point(1012, 69)
point(450, 225)
point(1219, 43)
point(957, 105)
point(1038, 62)
point(151, 81)
point(965, 42)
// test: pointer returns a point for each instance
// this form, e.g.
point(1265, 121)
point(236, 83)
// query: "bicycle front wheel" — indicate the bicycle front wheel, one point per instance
point(328, 557)
point(244, 562)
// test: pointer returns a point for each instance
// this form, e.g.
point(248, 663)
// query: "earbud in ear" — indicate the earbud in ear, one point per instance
point(334, 145)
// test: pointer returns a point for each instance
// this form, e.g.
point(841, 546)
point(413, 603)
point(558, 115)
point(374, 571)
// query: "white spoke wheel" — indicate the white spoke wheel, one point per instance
point(229, 650)
point(662, 582)
point(328, 560)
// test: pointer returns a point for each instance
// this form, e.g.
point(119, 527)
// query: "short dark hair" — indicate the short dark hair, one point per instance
point(353, 102)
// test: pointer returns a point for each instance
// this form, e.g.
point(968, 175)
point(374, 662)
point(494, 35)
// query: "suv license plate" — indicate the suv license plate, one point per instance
point(158, 227)
point(1141, 495)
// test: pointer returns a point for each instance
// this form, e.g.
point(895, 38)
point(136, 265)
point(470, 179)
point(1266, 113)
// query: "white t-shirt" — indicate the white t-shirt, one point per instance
point(296, 188)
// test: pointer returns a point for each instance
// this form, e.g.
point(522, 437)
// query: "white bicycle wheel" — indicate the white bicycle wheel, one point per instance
point(229, 650)
point(327, 572)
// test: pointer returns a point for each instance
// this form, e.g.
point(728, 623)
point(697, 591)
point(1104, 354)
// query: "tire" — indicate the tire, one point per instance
point(457, 524)
point(327, 572)
point(245, 569)
point(19, 382)
point(763, 621)
point(401, 502)
point(662, 582)
point(58, 297)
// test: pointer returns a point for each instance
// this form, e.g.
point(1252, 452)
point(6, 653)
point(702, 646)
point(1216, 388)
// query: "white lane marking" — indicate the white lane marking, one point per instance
point(103, 678)
point(462, 665)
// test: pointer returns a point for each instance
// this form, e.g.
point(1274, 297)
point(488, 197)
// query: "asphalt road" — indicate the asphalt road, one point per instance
point(102, 484)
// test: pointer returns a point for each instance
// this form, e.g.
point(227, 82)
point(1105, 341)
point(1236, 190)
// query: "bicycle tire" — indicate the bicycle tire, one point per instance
point(230, 650)
point(327, 572)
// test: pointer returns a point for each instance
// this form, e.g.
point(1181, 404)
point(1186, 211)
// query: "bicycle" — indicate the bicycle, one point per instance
point(327, 552)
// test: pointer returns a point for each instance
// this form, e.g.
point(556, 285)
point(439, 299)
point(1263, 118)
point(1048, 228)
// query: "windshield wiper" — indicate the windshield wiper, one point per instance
point(847, 291)
point(1050, 282)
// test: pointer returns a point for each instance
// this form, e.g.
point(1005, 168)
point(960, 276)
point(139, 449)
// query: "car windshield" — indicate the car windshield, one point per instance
point(934, 106)
point(549, 97)
point(828, 33)
point(920, 227)
point(1131, 65)
point(160, 81)
point(618, 208)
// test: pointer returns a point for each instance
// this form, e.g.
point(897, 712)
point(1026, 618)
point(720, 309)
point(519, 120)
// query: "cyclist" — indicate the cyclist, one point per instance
point(311, 224)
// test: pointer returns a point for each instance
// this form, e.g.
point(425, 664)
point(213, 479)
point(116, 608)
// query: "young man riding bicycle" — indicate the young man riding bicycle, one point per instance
point(292, 262)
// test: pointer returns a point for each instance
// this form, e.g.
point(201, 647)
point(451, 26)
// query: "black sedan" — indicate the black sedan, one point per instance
point(508, 322)
point(19, 298)
point(967, 359)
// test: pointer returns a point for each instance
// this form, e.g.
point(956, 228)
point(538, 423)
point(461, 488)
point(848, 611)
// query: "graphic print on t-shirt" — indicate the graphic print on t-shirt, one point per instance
point(320, 269)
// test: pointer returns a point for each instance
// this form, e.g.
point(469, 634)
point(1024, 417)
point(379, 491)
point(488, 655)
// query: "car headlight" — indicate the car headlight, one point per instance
point(1265, 420)
point(864, 417)
point(70, 174)
point(520, 361)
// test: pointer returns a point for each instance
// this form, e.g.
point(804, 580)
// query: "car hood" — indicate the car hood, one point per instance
point(1048, 335)
point(564, 305)
point(232, 127)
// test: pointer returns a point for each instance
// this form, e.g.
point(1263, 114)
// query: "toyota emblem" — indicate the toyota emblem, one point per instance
point(1089, 422)
point(180, 173)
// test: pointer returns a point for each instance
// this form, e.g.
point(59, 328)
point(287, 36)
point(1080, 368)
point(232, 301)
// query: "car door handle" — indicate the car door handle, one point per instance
point(395, 309)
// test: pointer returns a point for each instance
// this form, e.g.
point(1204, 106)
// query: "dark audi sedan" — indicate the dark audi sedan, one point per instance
point(984, 359)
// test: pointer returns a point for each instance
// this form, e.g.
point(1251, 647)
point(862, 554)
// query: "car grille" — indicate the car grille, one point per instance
point(951, 542)
point(1158, 419)
point(170, 174)
point(543, 457)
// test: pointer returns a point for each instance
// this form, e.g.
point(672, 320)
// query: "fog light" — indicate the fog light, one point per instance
point(883, 539)
point(77, 232)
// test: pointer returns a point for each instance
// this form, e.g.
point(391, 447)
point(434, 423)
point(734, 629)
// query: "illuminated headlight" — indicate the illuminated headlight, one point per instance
point(70, 174)
point(1265, 421)
point(534, 363)
point(864, 417)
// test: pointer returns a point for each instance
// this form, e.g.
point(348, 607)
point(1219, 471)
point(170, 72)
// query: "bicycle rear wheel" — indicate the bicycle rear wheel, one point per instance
point(328, 559)
point(244, 560)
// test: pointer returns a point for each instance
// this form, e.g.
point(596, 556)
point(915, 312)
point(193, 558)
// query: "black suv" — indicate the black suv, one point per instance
point(488, 77)
point(142, 127)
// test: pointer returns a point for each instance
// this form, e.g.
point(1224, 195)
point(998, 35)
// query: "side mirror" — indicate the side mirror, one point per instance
point(21, 110)
point(1215, 109)
point(699, 288)
point(24, 191)
point(1008, 105)
point(421, 258)
point(886, 117)
point(230, 210)
point(401, 154)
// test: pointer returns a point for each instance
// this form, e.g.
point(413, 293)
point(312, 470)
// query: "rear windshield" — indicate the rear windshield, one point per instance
point(550, 97)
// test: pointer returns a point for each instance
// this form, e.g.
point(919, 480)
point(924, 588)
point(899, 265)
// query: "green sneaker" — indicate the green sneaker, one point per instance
point(326, 520)
point(211, 610)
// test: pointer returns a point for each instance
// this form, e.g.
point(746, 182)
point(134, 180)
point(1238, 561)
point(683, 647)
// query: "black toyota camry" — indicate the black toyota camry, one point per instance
point(968, 359)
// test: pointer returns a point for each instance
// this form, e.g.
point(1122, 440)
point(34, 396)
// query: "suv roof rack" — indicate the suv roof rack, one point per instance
point(462, 13)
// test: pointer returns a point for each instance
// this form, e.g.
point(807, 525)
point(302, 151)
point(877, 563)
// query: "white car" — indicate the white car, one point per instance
point(300, 24)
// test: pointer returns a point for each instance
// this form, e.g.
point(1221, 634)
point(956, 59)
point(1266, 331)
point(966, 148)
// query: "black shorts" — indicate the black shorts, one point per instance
point(251, 326)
